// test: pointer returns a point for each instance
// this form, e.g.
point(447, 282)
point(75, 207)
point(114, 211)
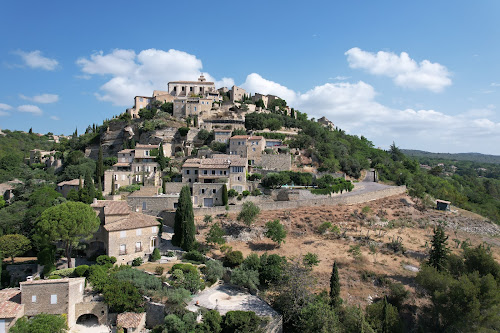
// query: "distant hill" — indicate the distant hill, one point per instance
point(474, 157)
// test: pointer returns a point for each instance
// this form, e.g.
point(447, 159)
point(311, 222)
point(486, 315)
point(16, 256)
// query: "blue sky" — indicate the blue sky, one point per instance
point(423, 74)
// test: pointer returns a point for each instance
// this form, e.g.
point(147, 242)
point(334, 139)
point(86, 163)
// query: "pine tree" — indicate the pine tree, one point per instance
point(224, 195)
point(439, 249)
point(75, 135)
point(335, 299)
point(160, 159)
point(184, 229)
point(99, 168)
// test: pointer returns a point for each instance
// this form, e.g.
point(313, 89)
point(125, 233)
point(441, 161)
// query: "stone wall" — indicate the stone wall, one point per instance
point(98, 309)
point(320, 201)
point(155, 314)
point(153, 205)
point(280, 162)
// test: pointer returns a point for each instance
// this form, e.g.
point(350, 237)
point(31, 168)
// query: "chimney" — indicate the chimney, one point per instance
point(29, 278)
point(95, 201)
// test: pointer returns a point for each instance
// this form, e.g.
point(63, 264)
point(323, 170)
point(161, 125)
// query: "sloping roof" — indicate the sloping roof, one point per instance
point(132, 221)
point(129, 319)
point(10, 303)
point(72, 182)
point(247, 137)
point(112, 207)
point(214, 163)
point(192, 82)
point(145, 146)
point(126, 151)
point(443, 201)
point(122, 164)
point(192, 163)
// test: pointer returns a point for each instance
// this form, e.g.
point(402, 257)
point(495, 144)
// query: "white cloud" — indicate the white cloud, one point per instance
point(34, 59)
point(495, 84)
point(5, 106)
point(30, 109)
point(55, 118)
point(339, 78)
point(404, 71)
point(257, 84)
point(134, 74)
point(42, 99)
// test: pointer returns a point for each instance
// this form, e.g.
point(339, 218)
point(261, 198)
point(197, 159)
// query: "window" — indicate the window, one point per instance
point(53, 299)
point(237, 169)
point(187, 172)
point(202, 191)
point(154, 230)
point(214, 190)
point(144, 205)
point(195, 172)
point(138, 247)
point(123, 177)
point(183, 88)
point(175, 88)
point(123, 234)
point(195, 108)
point(33, 299)
point(189, 180)
point(190, 88)
point(147, 152)
point(141, 99)
point(213, 172)
point(138, 232)
point(123, 249)
point(205, 172)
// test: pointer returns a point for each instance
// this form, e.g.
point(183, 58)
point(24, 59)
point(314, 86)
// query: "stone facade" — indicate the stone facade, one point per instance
point(258, 97)
point(153, 205)
point(207, 195)
point(58, 296)
point(248, 147)
point(187, 88)
point(96, 308)
point(222, 135)
point(65, 187)
point(279, 162)
point(237, 93)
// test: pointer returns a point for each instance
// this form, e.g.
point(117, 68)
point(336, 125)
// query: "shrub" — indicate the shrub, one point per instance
point(232, 193)
point(130, 188)
point(145, 282)
point(233, 259)
point(194, 256)
point(383, 317)
point(98, 277)
point(41, 323)
point(252, 261)
point(249, 213)
point(213, 270)
point(183, 131)
point(247, 278)
point(155, 255)
point(241, 321)
point(275, 231)
point(159, 270)
point(137, 261)
point(245, 193)
point(184, 268)
point(190, 280)
point(122, 296)
point(256, 192)
point(211, 323)
point(255, 176)
point(82, 270)
point(105, 260)
point(216, 235)
point(66, 272)
point(310, 260)
point(55, 277)
point(324, 227)
point(271, 268)
point(398, 294)
point(355, 252)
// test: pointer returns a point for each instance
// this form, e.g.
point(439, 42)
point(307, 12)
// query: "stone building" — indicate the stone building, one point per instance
point(131, 322)
point(123, 234)
point(134, 166)
point(188, 88)
point(248, 147)
point(207, 195)
point(222, 135)
point(258, 97)
point(65, 187)
point(237, 94)
point(192, 106)
point(223, 169)
point(58, 296)
point(145, 102)
point(326, 123)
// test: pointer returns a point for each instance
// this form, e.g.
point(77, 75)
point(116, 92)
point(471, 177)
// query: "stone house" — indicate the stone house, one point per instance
point(145, 102)
point(134, 166)
point(258, 97)
point(248, 147)
point(326, 123)
point(65, 187)
point(123, 234)
point(207, 195)
point(58, 297)
point(222, 135)
point(188, 88)
point(11, 308)
point(131, 322)
point(192, 106)
point(236, 94)
point(227, 169)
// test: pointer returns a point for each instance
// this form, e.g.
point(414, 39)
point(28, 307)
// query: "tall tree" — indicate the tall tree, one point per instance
point(113, 185)
point(335, 299)
point(160, 159)
point(439, 249)
point(99, 170)
point(224, 195)
point(14, 245)
point(87, 194)
point(68, 223)
point(184, 229)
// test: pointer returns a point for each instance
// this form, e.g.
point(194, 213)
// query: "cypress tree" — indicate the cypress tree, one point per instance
point(89, 187)
point(80, 183)
point(113, 185)
point(160, 159)
point(195, 121)
point(386, 324)
point(439, 249)
point(132, 143)
point(184, 229)
point(99, 168)
point(335, 299)
point(31, 130)
point(224, 195)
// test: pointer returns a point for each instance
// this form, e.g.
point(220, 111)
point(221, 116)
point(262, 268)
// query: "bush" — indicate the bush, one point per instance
point(170, 254)
point(155, 255)
point(183, 131)
point(271, 268)
point(245, 193)
point(41, 323)
point(82, 270)
point(122, 296)
point(310, 260)
point(55, 277)
point(254, 176)
point(130, 188)
point(232, 193)
point(233, 259)
point(252, 261)
point(215, 235)
point(66, 272)
point(256, 192)
point(145, 282)
point(190, 280)
point(248, 213)
point(275, 231)
point(398, 294)
point(324, 227)
point(242, 321)
point(185, 268)
point(194, 256)
point(213, 270)
point(98, 277)
point(137, 261)
point(105, 260)
point(159, 270)
point(247, 278)
point(383, 317)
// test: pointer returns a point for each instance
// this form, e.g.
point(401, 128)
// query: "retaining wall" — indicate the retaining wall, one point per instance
point(320, 201)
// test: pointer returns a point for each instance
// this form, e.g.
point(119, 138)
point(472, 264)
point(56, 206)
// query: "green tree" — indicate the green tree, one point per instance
point(383, 317)
point(247, 278)
point(162, 162)
point(439, 249)
point(224, 195)
point(213, 270)
point(335, 299)
point(241, 322)
point(310, 260)
point(122, 296)
point(275, 231)
point(14, 245)
point(41, 323)
point(211, 323)
point(216, 235)
point(69, 223)
point(248, 213)
point(99, 168)
point(87, 194)
point(184, 229)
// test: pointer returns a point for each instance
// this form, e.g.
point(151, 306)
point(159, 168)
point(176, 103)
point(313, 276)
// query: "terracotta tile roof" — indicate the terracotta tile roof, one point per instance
point(215, 162)
point(73, 182)
point(132, 221)
point(8, 294)
point(10, 309)
point(112, 207)
point(129, 319)
point(125, 151)
point(146, 146)
point(443, 201)
point(121, 164)
point(192, 163)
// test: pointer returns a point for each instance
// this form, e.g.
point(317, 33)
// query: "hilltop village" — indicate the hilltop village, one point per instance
point(210, 210)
